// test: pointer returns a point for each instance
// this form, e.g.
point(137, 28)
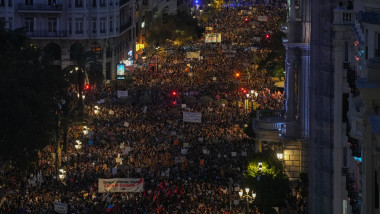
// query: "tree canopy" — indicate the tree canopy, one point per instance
point(29, 92)
point(271, 184)
point(175, 30)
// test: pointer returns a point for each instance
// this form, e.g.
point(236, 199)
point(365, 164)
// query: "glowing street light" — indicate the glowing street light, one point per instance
point(247, 196)
point(280, 156)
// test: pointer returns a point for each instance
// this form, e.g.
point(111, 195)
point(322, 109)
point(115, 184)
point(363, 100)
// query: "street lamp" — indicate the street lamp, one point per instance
point(78, 146)
point(62, 174)
point(247, 197)
point(260, 165)
point(280, 156)
point(237, 76)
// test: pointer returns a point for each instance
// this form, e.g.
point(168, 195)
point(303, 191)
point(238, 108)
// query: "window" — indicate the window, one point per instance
point(94, 31)
point(52, 24)
point(102, 3)
point(10, 3)
point(2, 3)
point(102, 25)
point(28, 2)
point(29, 24)
point(78, 3)
point(111, 2)
point(111, 24)
point(79, 26)
point(70, 26)
point(93, 3)
point(145, 2)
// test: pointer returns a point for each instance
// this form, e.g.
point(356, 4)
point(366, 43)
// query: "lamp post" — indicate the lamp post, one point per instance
point(260, 165)
point(96, 111)
point(237, 76)
point(62, 174)
point(78, 146)
point(247, 197)
point(247, 103)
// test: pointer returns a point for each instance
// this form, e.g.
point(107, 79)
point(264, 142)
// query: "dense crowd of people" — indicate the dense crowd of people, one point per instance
point(187, 167)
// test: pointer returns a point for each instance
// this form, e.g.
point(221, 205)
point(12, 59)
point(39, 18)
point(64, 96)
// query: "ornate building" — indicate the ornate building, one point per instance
point(105, 28)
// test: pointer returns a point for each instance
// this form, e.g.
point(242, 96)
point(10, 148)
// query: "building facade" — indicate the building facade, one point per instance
point(344, 88)
point(104, 28)
point(330, 126)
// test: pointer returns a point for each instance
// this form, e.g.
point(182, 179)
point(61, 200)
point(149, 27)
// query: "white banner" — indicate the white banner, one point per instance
point(122, 93)
point(121, 185)
point(60, 207)
point(195, 55)
point(192, 117)
point(262, 18)
point(213, 37)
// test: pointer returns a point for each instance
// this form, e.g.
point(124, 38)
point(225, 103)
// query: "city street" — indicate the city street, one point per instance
point(178, 123)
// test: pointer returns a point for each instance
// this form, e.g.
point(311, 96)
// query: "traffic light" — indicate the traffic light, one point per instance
point(174, 93)
point(267, 36)
point(246, 19)
point(243, 90)
point(237, 74)
point(87, 87)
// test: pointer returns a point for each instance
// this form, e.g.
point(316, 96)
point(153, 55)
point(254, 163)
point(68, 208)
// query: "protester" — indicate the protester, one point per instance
point(186, 167)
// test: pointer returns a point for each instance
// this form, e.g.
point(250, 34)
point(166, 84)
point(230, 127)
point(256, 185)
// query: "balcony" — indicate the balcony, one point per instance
point(38, 8)
point(268, 123)
point(369, 17)
point(344, 17)
point(46, 34)
point(355, 147)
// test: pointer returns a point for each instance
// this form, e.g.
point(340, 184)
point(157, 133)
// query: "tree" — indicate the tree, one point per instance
point(29, 92)
point(176, 30)
point(271, 184)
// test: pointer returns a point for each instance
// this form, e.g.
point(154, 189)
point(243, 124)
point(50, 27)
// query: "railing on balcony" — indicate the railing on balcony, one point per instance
point(369, 17)
point(269, 126)
point(266, 114)
point(344, 17)
point(269, 120)
point(47, 34)
point(39, 7)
